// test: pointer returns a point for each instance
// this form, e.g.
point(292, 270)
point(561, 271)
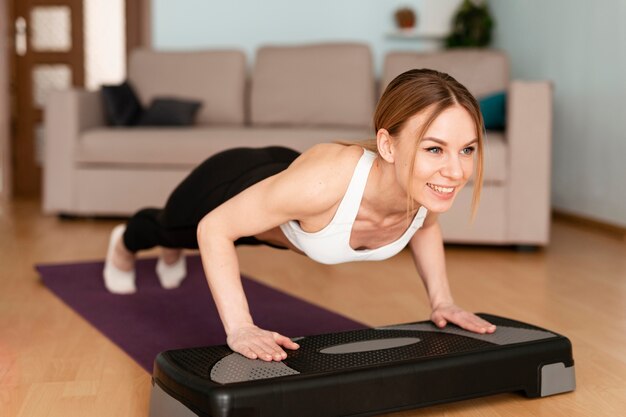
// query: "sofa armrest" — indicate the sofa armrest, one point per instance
point(67, 115)
point(529, 136)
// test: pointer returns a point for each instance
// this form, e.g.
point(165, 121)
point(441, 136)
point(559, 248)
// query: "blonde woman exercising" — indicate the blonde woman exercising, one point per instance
point(334, 203)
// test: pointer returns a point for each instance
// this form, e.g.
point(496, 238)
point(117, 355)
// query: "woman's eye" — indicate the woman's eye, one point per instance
point(434, 149)
point(469, 150)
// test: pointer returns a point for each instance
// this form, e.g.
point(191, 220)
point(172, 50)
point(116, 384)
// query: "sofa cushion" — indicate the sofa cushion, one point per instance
point(170, 112)
point(216, 78)
point(493, 109)
point(313, 85)
point(121, 105)
point(482, 71)
point(188, 146)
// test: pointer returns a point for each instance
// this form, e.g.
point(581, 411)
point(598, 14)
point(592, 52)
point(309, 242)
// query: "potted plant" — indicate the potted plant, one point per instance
point(405, 18)
point(471, 25)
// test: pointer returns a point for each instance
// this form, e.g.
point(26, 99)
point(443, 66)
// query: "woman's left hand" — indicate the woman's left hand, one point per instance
point(442, 314)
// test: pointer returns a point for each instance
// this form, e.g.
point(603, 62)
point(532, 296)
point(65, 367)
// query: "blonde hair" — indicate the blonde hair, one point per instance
point(425, 90)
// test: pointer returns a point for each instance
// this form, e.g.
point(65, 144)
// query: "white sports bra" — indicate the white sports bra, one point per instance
point(331, 245)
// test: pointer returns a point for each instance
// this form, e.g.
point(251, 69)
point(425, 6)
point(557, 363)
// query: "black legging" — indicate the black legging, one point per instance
point(213, 182)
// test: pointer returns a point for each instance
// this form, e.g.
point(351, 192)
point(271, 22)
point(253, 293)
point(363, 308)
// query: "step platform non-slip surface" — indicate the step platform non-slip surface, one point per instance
point(365, 372)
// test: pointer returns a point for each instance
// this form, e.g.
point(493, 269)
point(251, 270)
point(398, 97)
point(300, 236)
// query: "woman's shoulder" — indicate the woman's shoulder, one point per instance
point(332, 156)
point(323, 172)
point(329, 162)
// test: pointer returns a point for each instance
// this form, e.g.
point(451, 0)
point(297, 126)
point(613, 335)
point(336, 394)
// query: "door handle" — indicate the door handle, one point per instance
point(21, 40)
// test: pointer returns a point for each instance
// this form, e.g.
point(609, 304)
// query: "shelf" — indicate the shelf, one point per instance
point(414, 34)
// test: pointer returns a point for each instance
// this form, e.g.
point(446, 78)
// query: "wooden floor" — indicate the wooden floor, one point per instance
point(53, 363)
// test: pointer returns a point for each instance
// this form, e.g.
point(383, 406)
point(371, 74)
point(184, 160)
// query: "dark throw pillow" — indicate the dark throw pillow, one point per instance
point(121, 105)
point(493, 108)
point(170, 112)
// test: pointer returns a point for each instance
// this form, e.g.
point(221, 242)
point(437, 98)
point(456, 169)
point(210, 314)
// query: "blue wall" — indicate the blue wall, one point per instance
point(581, 48)
point(247, 24)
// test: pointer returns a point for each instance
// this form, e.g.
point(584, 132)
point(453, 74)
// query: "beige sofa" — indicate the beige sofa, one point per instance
point(295, 97)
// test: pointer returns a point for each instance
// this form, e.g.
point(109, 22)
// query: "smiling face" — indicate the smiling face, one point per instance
point(430, 173)
point(444, 160)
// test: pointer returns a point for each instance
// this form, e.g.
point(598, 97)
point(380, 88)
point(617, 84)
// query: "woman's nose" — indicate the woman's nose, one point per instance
point(453, 168)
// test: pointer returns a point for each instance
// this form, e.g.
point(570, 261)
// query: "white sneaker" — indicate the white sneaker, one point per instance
point(116, 280)
point(170, 276)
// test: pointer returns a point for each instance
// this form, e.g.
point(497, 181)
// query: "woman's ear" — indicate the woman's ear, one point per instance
point(384, 142)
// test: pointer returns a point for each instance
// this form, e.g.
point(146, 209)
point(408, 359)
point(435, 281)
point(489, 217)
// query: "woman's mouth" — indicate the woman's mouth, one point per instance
point(441, 191)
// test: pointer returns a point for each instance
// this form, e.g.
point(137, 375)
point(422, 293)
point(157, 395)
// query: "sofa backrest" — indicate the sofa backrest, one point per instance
point(216, 77)
point(482, 71)
point(313, 85)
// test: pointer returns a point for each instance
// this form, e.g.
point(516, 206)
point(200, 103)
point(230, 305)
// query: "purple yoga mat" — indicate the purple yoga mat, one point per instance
point(154, 319)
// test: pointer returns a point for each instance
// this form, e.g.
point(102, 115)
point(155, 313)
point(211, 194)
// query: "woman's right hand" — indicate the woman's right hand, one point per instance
point(255, 343)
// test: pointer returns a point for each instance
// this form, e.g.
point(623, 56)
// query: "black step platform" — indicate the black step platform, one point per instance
point(365, 372)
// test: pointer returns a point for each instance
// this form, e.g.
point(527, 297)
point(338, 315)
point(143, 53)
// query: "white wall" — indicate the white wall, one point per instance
point(246, 24)
point(581, 47)
point(105, 42)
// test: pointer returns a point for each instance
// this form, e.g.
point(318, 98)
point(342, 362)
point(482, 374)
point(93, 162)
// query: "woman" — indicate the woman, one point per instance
point(334, 203)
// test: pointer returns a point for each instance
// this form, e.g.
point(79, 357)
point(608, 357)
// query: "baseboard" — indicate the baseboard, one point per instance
point(608, 228)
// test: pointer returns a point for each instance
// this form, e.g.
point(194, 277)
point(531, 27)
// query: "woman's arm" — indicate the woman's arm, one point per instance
point(221, 267)
point(428, 255)
point(308, 187)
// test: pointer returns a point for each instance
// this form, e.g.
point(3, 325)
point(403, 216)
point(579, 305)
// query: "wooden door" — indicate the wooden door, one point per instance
point(5, 104)
point(49, 55)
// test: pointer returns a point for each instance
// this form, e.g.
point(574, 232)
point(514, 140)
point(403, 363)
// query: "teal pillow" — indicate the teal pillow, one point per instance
point(493, 108)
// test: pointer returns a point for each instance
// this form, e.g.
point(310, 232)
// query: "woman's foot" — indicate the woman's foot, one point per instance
point(171, 268)
point(119, 267)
